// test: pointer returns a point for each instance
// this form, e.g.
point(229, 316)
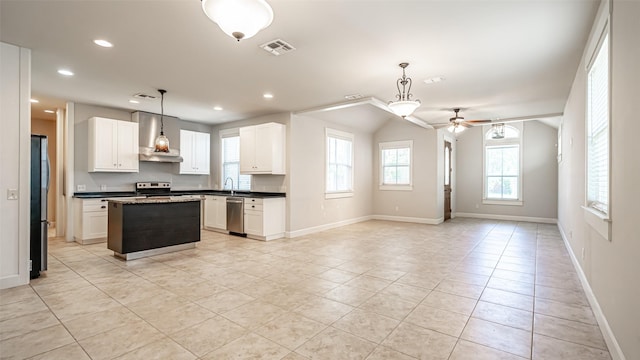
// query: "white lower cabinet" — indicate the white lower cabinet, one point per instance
point(215, 212)
point(264, 218)
point(91, 220)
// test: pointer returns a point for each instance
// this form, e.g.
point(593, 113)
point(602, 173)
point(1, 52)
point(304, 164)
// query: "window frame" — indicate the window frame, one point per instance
point(519, 127)
point(390, 145)
point(345, 136)
point(229, 133)
point(595, 207)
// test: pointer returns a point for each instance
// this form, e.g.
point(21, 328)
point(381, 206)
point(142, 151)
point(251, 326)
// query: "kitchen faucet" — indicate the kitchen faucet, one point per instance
point(225, 183)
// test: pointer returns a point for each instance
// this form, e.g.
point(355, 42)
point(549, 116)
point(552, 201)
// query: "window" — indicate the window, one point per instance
point(395, 165)
point(598, 130)
point(502, 165)
point(339, 182)
point(230, 159)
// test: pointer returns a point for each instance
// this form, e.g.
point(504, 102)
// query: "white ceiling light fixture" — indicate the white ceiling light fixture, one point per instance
point(50, 111)
point(456, 128)
point(134, 101)
point(267, 96)
point(103, 43)
point(218, 108)
point(404, 106)
point(34, 100)
point(65, 72)
point(240, 19)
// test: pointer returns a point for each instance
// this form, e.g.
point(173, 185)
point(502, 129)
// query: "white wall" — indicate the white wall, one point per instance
point(15, 160)
point(539, 177)
point(308, 209)
point(420, 204)
point(610, 267)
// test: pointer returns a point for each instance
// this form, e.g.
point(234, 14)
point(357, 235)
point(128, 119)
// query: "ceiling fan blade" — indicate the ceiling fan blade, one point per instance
point(478, 121)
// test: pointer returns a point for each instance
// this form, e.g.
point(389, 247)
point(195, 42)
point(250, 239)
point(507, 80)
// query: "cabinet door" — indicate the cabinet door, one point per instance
point(247, 149)
point(202, 152)
point(94, 224)
point(127, 145)
point(210, 211)
point(253, 222)
point(186, 151)
point(263, 148)
point(104, 145)
point(221, 213)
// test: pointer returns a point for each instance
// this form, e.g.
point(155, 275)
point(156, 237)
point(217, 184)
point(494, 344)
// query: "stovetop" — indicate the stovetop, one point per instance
point(149, 188)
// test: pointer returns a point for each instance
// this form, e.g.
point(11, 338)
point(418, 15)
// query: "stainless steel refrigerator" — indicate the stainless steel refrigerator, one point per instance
point(39, 190)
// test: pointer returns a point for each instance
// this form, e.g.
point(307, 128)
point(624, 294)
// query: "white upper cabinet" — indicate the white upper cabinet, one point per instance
point(195, 148)
point(262, 149)
point(113, 145)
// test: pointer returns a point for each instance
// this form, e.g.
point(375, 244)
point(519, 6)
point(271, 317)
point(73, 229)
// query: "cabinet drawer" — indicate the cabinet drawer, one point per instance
point(94, 205)
point(253, 207)
point(252, 201)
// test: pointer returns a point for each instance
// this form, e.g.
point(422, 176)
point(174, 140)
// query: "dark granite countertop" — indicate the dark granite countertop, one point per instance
point(154, 200)
point(116, 194)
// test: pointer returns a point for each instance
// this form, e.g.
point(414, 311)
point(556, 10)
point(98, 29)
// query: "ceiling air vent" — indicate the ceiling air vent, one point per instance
point(277, 47)
point(144, 96)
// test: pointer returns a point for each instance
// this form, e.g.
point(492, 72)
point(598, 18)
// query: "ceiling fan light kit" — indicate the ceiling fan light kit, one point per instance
point(404, 106)
point(240, 19)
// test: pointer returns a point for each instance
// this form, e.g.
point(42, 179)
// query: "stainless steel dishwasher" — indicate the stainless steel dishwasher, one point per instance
point(235, 215)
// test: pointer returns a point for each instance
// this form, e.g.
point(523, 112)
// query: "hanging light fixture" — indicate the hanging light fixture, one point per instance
point(162, 142)
point(456, 127)
point(404, 106)
point(240, 19)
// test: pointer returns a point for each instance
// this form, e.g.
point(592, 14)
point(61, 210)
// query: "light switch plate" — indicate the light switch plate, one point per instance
point(12, 194)
point(81, 187)
point(103, 187)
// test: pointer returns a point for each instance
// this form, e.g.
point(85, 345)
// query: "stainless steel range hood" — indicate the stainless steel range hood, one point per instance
point(149, 128)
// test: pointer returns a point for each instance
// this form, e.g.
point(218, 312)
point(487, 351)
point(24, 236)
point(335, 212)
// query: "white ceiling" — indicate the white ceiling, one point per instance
point(501, 59)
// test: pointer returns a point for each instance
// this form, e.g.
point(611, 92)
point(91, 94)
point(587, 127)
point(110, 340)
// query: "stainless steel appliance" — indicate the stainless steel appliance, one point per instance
point(156, 189)
point(39, 190)
point(235, 215)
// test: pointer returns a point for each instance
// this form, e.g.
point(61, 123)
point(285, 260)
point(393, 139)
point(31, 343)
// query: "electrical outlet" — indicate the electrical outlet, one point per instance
point(81, 187)
point(12, 194)
point(582, 253)
point(30, 265)
point(103, 187)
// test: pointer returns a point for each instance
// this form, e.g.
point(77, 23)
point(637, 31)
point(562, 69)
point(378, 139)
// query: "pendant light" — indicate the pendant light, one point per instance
point(162, 142)
point(404, 106)
point(240, 19)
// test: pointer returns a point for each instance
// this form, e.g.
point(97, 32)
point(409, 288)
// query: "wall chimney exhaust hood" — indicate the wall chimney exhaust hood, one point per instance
point(149, 127)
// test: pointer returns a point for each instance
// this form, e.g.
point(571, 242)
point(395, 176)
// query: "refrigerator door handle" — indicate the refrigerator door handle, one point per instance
point(43, 242)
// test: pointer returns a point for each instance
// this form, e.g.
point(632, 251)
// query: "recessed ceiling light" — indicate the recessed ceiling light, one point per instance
point(217, 108)
point(34, 101)
point(50, 111)
point(267, 96)
point(134, 101)
point(103, 43)
point(434, 79)
point(65, 72)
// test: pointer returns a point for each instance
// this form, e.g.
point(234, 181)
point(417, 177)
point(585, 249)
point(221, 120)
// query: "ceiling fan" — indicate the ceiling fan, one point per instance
point(457, 123)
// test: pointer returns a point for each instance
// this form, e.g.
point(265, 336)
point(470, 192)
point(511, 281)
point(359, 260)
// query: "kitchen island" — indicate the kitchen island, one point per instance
point(151, 226)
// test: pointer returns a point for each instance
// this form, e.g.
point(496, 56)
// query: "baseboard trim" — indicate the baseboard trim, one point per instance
point(609, 337)
point(508, 218)
point(319, 228)
point(417, 220)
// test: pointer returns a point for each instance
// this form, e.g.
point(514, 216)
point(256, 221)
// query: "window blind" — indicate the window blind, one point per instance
point(598, 130)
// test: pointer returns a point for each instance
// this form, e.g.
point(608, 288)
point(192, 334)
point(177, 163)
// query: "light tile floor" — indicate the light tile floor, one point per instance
point(466, 289)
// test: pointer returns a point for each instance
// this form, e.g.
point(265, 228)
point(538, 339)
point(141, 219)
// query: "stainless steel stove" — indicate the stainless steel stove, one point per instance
point(153, 189)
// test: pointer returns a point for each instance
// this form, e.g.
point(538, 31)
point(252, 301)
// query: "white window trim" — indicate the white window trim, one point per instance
point(507, 202)
point(225, 133)
point(598, 220)
point(344, 136)
point(395, 145)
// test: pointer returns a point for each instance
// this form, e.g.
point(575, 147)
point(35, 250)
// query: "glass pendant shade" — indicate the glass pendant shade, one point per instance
point(240, 19)
point(162, 143)
point(456, 128)
point(404, 108)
